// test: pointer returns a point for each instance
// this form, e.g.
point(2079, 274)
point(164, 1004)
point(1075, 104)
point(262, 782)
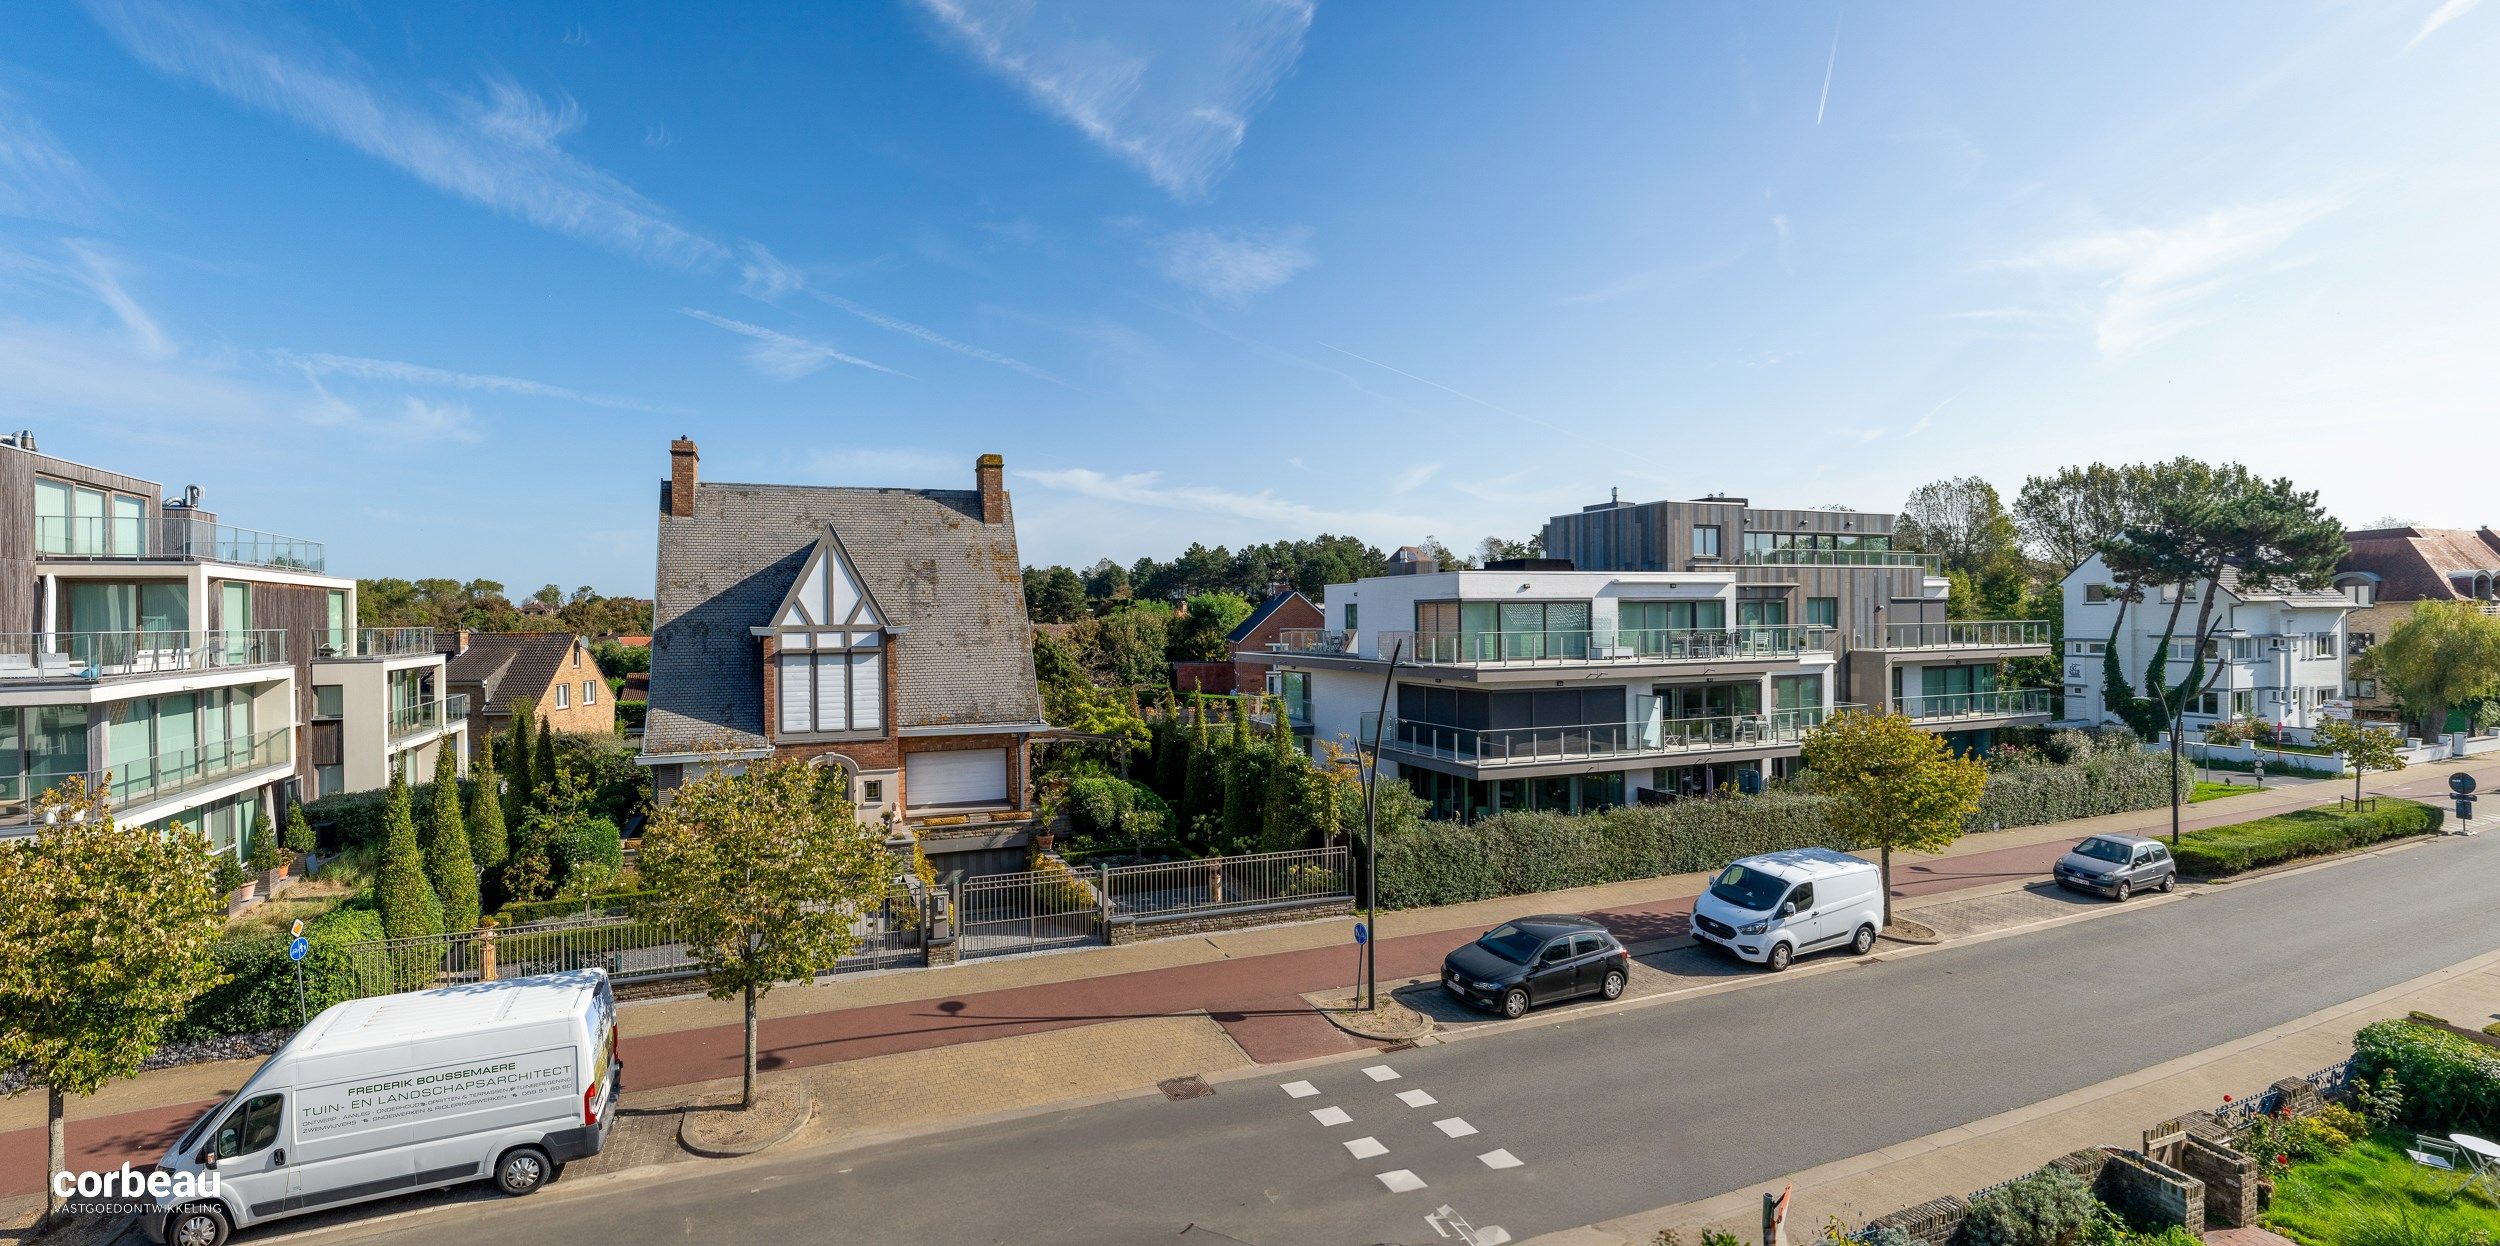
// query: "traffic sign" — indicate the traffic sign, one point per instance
point(297, 929)
point(298, 948)
point(2461, 783)
point(1362, 934)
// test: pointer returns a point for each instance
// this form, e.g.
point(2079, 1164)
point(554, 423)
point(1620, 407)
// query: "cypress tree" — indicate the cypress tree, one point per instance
point(409, 906)
point(517, 764)
point(543, 768)
point(1281, 822)
point(1243, 791)
point(1171, 761)
point(1201, 785)
point(487, 842)
point(448, 865)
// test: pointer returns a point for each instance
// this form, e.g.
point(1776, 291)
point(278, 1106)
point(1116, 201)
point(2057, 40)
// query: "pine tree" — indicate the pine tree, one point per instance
point(517, 765)
point(488, 844)
point(448, 865)
point(543, 768)
point(409, 906)
point(1244, 790)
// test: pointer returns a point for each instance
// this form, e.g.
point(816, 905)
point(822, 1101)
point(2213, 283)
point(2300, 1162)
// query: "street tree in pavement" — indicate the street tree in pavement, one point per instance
point(761, 874)
point(1892, 785)
point(2447, 652)
point(2364, 748)
point(110, 935)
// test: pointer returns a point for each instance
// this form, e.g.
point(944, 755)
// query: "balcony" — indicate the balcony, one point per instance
point(1999, 703)
point(95, 656)
point(423, 716)
point(1316, 641)
point(377, 642)
point(1571, 648)
point(172, 539)
point(1839, 558)
point(1509, 747)
point(1968, 634)
point(145, 780)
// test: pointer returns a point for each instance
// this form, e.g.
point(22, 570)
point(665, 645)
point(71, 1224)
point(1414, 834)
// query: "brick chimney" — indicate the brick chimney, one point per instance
point(681, 459)
point(991, 471)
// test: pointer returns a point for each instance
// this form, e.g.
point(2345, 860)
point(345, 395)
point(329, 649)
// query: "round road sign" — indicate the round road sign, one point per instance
point(298, 948)
point(2461, 783)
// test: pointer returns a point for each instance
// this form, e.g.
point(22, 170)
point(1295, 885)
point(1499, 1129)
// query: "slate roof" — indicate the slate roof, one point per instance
point(1274, 602)
point(2291, 595)
point(2415, 564)
point(510, 665)
point(952, 582)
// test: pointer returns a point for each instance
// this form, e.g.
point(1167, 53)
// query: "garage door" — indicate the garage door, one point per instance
point(973, 777)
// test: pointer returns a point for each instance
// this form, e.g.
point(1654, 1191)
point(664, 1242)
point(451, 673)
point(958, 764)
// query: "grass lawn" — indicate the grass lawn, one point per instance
point(306, 898)
point(2372, 1195)
point(2206, 790)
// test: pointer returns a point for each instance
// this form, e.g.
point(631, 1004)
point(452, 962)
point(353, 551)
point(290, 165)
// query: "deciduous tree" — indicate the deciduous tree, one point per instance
point(2445, 653)
point(2066, 518)
point(761, 874)
point(2365, 748)
point(1892, 785)
point(110, 935)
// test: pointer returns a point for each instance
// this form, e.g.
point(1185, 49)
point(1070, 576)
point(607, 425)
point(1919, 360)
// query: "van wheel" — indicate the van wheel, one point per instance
point(1613, 986)
point(522, 1170)
point(200, 1224)
point(1515, 1004)
point(1865, 942)
point(1781, 954)
point(2125, 889)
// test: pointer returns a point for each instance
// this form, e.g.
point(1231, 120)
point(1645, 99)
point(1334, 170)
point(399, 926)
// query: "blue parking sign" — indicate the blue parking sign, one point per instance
point(298, 948)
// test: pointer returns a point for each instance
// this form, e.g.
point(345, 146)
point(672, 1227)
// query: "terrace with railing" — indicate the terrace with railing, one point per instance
point(377, 642)
point(141, 780)
point(1839, 558)
point(174, 539)
point(1967, 634)
point(409, 720)
point(1995, 703)
point(95, 656)
point(1628, 740)
point(1603, 644)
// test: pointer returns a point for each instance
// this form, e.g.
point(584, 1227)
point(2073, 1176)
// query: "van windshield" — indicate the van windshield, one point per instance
point(191, 1138)
point(1750, 890)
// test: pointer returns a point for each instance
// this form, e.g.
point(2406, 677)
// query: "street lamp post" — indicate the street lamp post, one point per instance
point(1371, 837)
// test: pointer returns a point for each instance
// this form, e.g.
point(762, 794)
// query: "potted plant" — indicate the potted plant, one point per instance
point(231, 881)
point(299, 836)
point(266, 859)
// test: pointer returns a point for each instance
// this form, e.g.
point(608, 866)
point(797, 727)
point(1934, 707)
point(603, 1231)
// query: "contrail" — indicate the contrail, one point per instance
point(1824, 102)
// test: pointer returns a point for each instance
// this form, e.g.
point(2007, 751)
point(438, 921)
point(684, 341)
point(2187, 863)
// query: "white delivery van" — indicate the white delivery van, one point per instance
point(493, 1080)
point(1774, 908)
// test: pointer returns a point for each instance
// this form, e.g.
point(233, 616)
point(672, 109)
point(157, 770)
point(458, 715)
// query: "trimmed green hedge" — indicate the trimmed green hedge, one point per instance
point(2110, 778)
point(2301, 833)
point(2450, 1081)
point(260, 994)
point(1518, 853)
point(354, 819)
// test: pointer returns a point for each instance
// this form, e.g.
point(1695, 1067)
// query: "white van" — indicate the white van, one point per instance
point(1779, 906)
point(381, 1096)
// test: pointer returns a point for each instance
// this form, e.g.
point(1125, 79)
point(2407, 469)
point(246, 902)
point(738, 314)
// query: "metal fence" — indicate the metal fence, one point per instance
point(1027, 911)
point(1228, 884)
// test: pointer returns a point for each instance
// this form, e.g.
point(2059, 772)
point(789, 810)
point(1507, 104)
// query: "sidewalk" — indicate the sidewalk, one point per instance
point(1250, 983)
point(1998, 1148)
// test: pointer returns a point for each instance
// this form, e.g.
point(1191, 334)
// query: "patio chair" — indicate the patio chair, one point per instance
point(2441, 1156)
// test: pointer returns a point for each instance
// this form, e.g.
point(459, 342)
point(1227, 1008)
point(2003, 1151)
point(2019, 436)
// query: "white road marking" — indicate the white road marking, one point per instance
point(1500, 1159)
point(1365, 1148)
point(1416, 1098)
point(1330, 1116)
point(1301, 1090)
point(1401, 1181)
point(1455, 1127)
point(1381, 1073)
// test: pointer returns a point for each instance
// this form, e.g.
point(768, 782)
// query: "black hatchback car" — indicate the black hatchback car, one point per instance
point(1537, 960)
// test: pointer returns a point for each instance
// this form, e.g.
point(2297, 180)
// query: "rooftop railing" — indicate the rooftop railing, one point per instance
point(173, 538)
point(378, 642)
point(1657, 737)
point(408, 720)
point(1313, 640)
point(1838, 558)
point(119, 655)
point(1609, 645)
point(142, 780)
point(1996, 703)
point(1966, 634)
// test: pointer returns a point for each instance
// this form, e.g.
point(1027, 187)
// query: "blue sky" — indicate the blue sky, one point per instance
point(437, 282)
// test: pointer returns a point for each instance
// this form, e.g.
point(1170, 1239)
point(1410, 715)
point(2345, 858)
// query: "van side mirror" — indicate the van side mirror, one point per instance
point(1789, 909)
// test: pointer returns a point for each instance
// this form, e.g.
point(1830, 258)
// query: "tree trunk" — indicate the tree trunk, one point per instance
point(1887, 883)
point(56, 1146)
point(747, 1098)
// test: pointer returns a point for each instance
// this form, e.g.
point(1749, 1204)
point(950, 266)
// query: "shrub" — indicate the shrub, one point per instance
point(587, 843)
point(631, 715)
point(1427, 863)
point(2450, 1081)
point(299, 833)
point(2382, 1103)
point(266, 855)
point(354, 819)
point(2098, 778)
point(1892, 1235)
point(227, 875)
point(2048, 1208)
point(260, 993)
point(2301, 833)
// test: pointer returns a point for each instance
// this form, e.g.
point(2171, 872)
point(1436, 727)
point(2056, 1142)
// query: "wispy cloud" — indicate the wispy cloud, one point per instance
point(1928, 420)
point(2447, 12)
point(501, 149)
point(1149, 489)
point(1167, 88)
point(1831, 63)
point(937, 339)
point(39, 177)
point(1234, 267)
point(780, 355)
point(101, 273)
point(1413, 478)
point(2142, 283)
point(399, 372)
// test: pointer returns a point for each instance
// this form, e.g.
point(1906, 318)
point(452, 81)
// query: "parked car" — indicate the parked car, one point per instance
point(1537, 960)
point(1774, 908)
point(2118, 866)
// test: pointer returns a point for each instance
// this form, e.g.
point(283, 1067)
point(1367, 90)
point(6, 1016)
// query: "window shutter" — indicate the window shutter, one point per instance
point(867, 692)
point(795, 694)
point(832, 692)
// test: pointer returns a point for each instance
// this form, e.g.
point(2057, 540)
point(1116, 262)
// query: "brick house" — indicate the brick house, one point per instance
point(879, 631)
point(2389, 570)
point(553, 670)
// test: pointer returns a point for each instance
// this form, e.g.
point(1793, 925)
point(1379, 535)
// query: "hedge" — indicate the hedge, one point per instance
point(260, 993)
point(1517, 853)
point(2301, 833)
point(2105, 780)
point(2450, 1081)
point(354, 819)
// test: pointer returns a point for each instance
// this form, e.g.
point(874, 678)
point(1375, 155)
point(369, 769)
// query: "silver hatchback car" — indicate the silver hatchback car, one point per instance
point(2118, 866)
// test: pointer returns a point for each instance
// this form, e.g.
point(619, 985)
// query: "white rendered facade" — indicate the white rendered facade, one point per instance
point(2277, 656)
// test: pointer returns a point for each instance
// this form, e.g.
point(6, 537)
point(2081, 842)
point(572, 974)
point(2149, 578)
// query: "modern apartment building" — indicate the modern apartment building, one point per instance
point(2388, 571)
point(2276, 655)
point(199, 672)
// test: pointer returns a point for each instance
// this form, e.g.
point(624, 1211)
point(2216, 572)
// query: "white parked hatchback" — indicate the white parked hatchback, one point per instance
point(1774, 908)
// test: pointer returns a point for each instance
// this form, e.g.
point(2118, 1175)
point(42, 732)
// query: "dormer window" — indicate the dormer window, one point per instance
point(829, 668)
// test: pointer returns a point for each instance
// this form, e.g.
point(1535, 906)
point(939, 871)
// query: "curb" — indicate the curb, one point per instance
point(685, 1117)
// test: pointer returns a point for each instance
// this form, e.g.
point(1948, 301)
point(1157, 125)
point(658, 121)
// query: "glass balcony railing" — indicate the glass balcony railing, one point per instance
point(1608, 645)
point(376, 642)
point(1313, 640)
point(1966, 634)
point(142, 780)
point(117, 655)
point(173, 538)
point(408, 720)
point(1839, 558)
point(1637, 738)
point(1996, 703)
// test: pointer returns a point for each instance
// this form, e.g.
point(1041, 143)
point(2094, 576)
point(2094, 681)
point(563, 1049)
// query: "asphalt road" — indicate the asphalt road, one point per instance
point(1606, 1115)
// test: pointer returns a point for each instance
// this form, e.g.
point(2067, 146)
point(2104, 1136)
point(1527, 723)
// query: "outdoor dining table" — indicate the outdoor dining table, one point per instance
point(2486, 1155)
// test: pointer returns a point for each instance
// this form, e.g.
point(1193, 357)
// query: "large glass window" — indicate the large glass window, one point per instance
point(1706, 541)
point(1796, 692)
point(1762, 613)
point(830, 692)
point(329, 701)
point(52, 517)
point(1678, 616)
point(1823, 612)
point(127, 514)
point(338, 638)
